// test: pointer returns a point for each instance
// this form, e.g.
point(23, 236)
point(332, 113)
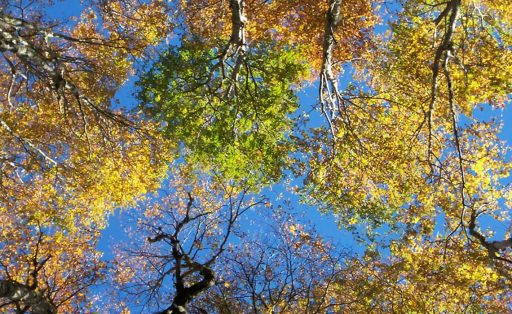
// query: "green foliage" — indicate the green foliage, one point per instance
point(230, 115)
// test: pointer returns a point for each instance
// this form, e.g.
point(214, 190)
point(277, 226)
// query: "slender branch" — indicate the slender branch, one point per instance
point(446, 45)
point(457, 138)
point(27, 143)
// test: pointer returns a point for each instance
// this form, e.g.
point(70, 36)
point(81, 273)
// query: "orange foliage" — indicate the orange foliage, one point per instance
point(296, 23)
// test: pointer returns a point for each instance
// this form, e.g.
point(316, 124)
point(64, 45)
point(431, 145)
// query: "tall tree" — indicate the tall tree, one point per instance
point(180, 236)
point(57, 120)
point(67, 158)
point(396, 151)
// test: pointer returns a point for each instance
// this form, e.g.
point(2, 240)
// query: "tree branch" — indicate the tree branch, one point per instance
point(329, 95)
point(446, 45)
point(52, 67)
point(493, 248)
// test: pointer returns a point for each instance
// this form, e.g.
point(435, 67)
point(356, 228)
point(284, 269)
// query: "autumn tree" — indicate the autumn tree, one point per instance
point(180, 234)
point(297, 23)
point(67, 157)
point(285, 267)
point(57, 120)
point(289, 268)
point(396, 151)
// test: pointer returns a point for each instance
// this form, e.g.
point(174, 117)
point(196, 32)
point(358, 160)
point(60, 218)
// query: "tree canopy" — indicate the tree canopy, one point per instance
point(214, 130)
